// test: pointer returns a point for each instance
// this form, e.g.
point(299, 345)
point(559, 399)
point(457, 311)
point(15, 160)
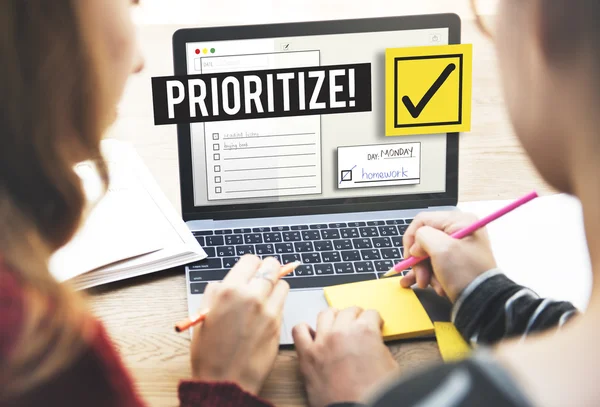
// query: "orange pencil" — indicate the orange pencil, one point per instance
point(201, 316)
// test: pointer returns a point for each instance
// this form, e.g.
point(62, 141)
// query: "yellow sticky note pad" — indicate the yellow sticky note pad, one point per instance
point(401, 310)
point(451, 343)
point(428, 89)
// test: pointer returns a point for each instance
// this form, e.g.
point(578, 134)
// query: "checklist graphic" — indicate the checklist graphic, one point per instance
point(248, 159)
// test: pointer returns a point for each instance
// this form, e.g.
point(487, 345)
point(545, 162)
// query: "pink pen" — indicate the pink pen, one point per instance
point(411, 261)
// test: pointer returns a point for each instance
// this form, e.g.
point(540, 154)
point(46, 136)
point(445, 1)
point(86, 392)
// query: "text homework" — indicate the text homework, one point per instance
point(262, 94)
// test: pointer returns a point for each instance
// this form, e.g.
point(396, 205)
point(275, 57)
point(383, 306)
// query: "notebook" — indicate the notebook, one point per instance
point(403, 315)
point(132, 230)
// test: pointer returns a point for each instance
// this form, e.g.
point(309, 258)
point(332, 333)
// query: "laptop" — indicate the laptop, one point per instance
point(298, 188)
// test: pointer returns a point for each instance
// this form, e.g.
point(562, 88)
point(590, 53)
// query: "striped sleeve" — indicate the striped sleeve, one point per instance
point(493, 308)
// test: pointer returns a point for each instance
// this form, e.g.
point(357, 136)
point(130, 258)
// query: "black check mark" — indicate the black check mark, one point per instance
point(415, 111)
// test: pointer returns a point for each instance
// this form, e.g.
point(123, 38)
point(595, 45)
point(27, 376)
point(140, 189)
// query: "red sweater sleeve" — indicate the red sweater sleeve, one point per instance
point(97, 378)
point(193, 393)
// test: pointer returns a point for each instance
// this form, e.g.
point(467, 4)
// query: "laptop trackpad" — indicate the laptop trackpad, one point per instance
point(301, 306)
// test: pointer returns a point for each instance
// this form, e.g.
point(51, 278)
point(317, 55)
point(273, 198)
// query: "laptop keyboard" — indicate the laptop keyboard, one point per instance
point(331, 254)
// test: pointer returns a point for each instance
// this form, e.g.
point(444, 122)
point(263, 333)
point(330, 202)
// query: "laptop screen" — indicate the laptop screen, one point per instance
point(316, 157)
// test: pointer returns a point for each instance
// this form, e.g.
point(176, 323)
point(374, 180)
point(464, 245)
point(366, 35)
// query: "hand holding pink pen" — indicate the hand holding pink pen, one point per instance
point(411, 261)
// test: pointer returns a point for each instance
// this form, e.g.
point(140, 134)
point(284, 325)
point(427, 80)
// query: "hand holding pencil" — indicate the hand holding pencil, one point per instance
point(457, 246)
point(201, 315)
point(239, 339)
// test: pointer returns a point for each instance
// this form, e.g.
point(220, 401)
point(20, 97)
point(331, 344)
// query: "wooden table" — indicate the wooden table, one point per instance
point(139, 313)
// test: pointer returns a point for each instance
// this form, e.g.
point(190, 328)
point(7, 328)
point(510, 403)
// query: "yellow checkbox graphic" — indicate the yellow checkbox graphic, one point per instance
point(428, 90)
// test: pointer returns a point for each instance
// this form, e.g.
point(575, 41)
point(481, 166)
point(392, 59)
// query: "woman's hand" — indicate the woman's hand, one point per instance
point(239, 339)
point(345, 358)
point(453, 263)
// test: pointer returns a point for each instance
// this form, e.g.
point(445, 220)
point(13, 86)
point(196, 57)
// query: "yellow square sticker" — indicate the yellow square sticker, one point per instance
point(428, 89)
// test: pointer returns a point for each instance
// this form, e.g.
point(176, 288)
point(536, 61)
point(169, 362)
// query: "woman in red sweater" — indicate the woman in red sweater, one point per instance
point(64, 64)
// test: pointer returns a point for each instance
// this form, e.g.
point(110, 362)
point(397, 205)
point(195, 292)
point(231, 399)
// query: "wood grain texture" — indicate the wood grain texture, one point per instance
point(140, 313)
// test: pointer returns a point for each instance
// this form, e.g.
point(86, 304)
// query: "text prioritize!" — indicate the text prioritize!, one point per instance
point(262, 94)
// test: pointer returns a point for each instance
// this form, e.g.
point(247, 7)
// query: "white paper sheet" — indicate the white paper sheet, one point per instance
point(117, 228)
point(178, 245)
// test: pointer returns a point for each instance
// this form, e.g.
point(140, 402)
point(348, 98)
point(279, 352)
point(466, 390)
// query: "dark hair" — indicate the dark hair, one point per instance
point(569, 27)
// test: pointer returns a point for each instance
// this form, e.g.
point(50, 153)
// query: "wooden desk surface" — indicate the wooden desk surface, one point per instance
point(140, 313)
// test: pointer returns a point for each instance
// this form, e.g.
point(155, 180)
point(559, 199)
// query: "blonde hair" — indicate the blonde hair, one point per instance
point(50, 118)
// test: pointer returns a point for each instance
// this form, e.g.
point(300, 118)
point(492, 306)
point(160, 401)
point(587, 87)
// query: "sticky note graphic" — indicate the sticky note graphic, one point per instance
point(402, 312)
point(452, 345)
point(428, 89)
point(379, 165)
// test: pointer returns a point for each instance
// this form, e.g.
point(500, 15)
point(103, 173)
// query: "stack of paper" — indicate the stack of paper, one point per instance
point(133, 230)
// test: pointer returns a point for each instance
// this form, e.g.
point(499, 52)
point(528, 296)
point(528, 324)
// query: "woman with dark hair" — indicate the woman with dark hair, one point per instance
point(533, 351)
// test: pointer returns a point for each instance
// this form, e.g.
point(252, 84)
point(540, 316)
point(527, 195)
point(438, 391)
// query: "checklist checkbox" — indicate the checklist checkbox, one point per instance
point(216, 157)
point(218, 190)
point(215, 147)
point(215, 136)
point(346, 175)
point(217, 180)
point(217, 168)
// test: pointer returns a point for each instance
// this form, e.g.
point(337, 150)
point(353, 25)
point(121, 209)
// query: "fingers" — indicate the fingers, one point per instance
point(416, 250)
point(433, 219)
point(276, 301)
point(409, 279)
point(325, 320)
point(265, 278)
point(422, 275)
point(243, 270)
point(437, 286)
point(207, 297)
point(432, 241)
point(346, 317)
point(372, 318)
point(447, 221)
point(302, 338)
